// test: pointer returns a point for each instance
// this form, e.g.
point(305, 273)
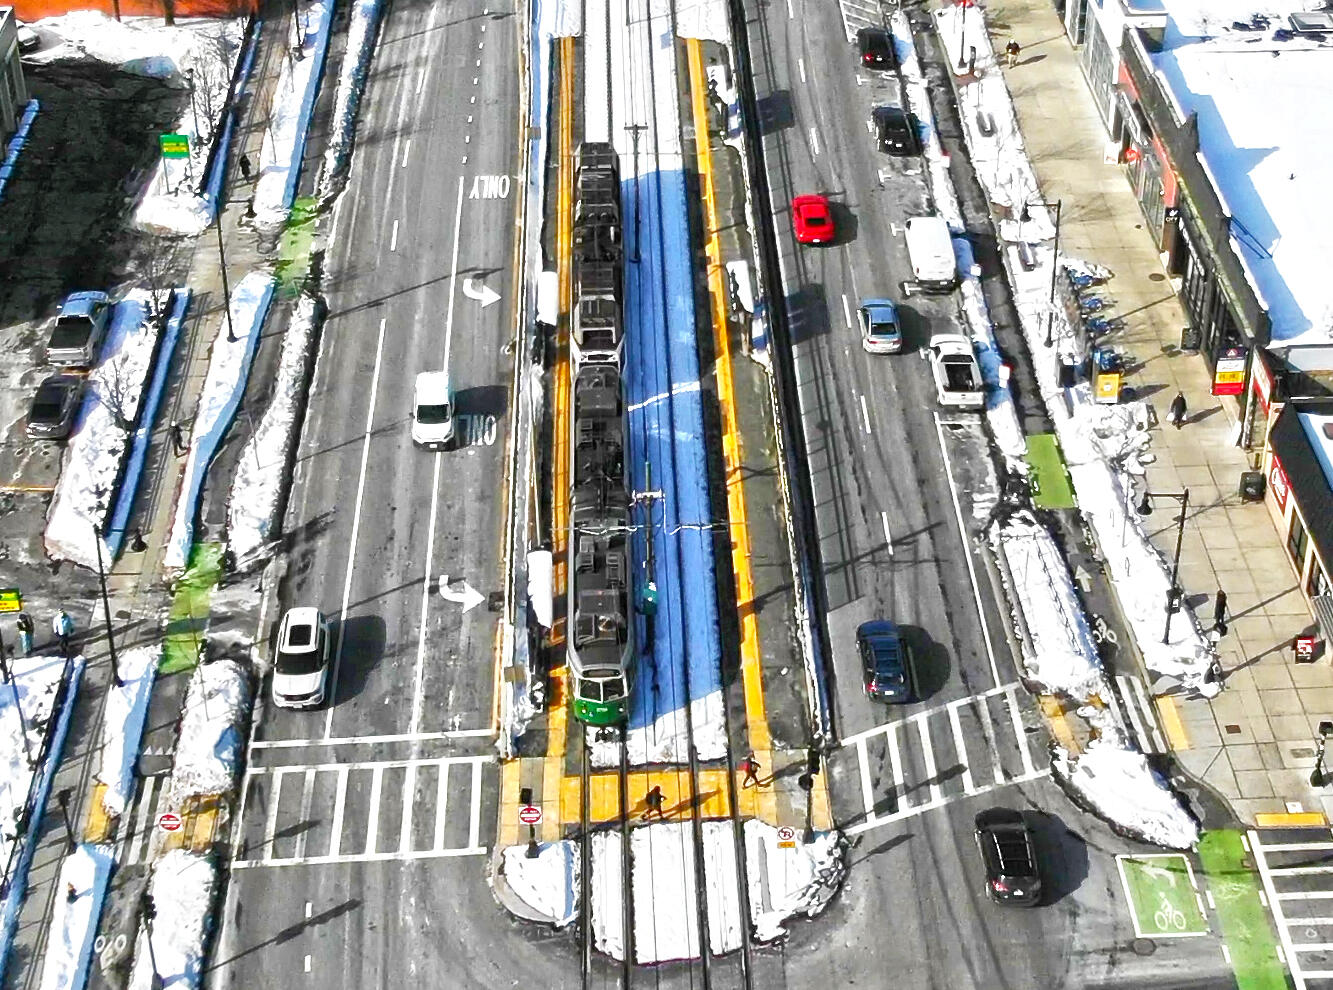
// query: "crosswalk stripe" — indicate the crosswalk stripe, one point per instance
point(1131, 711)
point(911, 812)
point(405, 825)
point(896, 767)
point(1019, 732)
point(135, 844)
point(992, 746)
point(441, 805)
point(959, 748)
point(339, 807)
point(1149, 716)
point(928, 757)
point(474, 825)
point(867, 792)
point(373, 819)
point(271, 821)
point(307, 797)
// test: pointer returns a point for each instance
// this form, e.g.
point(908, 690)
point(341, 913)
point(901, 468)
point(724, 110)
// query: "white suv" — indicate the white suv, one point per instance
point(301, 660)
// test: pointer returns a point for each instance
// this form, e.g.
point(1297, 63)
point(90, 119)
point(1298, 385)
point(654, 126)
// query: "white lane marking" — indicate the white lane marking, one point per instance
point(814, 142)
point(430, 25)
point(307, 796)
point(372, 740)
point(249, 864)
point(896, 766)
point(453, 275)
point(307, 962)
point(339, 806)
point(373, 822)
point(800, 64)
point(405, 826)
point(865, 413)
point(992, 746)
point(376, 765)
point(846, 312)
point(928, 757)
point(407, 146)
point(1149, 714)
point(967, 552)
point(1133, 713)
point(1279, 871)
point(271, 821)
point(919, 809)
point(139, 839)
point(883, 727)
point(309, 909)
point(867, 791)
point(393, 238)
point(959, 747)
point(790, 13)
point(356, 527)
point(888, 537)
point(1011, 700)
point(441, 804)
point(474, 825)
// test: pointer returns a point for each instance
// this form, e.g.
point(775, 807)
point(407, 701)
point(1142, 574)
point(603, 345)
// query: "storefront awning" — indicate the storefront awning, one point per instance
point(1305, 474)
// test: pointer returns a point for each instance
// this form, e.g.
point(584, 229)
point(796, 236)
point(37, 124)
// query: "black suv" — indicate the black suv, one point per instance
point(897, 131)
point(885, 661)
point(1010, 859)
point(876, 46)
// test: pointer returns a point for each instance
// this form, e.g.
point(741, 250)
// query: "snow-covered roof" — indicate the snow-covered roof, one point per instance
point(1265, 145)
point(1318, 427)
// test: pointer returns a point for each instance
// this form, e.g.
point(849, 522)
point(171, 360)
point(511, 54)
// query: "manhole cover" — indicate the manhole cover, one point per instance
point(1143, 946)
point(1156, 277)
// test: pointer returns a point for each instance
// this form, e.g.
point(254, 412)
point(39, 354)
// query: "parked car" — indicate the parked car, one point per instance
point(886, 661)
point(28, 39)
point(958, 382)
point(51, 415)
point(1009, 856)
point(876, 47)
point(301, 661)
point(813, 218)
point(897, 132)
point(433, 410)
point(880, 332)
point(76, 335)
point(930, 251)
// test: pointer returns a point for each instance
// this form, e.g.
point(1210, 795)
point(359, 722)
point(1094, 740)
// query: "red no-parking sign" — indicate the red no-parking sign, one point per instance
point(530, 814)
point(168, 822)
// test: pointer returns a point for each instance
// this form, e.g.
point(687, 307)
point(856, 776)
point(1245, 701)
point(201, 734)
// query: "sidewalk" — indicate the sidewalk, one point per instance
point(1253, 742)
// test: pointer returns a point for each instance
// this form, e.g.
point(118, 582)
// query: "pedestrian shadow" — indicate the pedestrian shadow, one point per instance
point(1031, 60)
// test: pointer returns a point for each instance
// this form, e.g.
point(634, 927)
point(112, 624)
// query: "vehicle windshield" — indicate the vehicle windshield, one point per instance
point(433, 414)
point(815, 219)
point(46, 408)
point(71, 330)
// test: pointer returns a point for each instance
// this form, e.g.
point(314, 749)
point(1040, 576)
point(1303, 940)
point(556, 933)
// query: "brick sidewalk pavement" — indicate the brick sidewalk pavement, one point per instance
point(1253, 742)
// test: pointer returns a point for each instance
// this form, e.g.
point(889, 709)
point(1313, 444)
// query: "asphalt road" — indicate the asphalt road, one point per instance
point(364, 823)
point(893, 489)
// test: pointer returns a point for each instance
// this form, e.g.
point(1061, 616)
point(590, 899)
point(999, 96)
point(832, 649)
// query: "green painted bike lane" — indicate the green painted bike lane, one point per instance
point(1247, 929)
point(187, 620)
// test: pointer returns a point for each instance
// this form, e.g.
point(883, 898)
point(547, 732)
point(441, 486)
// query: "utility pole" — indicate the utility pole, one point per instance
point(106, 609)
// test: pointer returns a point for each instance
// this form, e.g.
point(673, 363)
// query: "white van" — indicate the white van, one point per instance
point(433, 410)
point(930, 249)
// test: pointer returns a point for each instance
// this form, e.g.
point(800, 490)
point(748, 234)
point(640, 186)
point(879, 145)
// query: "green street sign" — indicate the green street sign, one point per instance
point(11, 600)
point(174, 145)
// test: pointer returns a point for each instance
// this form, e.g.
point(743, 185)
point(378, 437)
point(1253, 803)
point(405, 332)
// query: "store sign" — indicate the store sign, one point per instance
point(1262, 381)
point(1229, 375)
point(1172, 214)
point(1277, 484)
point(1303, 646)
point(1108, 388)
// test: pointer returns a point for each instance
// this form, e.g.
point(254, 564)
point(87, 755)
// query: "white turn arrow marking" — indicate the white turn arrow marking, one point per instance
point(480, 291)
point(468, 596)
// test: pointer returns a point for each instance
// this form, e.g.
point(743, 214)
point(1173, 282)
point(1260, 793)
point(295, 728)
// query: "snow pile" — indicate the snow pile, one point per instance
point(122, 725)
point(1118, 434)
point(788, 882)
point(606, 894)
point(666, 914)
point(1000, 413)
point(360, 46)
point(555, 19)
point(261, 472)
point(182, 888)
point(36, 679)
point(208, 753)
point(548, 884)
point(141, 46)
point(99, 440)
point(1114, 781)
point(1138, 571)
point(293, 102)
point(704, 19)
point(74, 922)
point(228, 367)
point(1058, 652)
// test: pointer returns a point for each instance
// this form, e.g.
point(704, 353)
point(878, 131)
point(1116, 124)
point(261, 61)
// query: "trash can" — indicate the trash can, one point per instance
point(1252, 486)
point(1190, 338)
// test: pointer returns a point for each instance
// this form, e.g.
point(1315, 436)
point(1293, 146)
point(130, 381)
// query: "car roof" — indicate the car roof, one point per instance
point(874, 32)
point(876, 628)
point(297, 618)
point(433, 386)
point(810, 199)
point(62, 383)
point(880, 308)
point(951, 343)
point(81, 303)
point(1001, 818)
point(889, 112)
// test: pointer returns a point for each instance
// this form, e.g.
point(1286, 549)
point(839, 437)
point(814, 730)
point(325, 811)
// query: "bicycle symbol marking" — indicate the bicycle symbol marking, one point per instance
point(1101, 632)
point(1169, 916)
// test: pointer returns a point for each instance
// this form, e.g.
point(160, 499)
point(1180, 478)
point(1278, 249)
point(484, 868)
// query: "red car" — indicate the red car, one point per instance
point(813, 219)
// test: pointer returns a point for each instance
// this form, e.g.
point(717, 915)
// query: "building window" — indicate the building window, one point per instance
point(1297, 540)
point(1318, 583)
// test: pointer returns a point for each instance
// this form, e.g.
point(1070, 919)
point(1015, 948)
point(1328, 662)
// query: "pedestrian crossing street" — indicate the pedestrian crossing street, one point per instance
point(934, 757)
point(1296, 869)
point(1135, 710)
point(361, 812)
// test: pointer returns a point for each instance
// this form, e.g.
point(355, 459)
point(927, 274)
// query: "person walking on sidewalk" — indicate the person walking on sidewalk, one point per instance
point(1220, 612)
point(71, 892)
point(751, 767)
point(1176, 414)
point(1011, 51)
point(63, 628)
point(24, 624)
point(245, 167)
point(178, 445)
point(653, 799)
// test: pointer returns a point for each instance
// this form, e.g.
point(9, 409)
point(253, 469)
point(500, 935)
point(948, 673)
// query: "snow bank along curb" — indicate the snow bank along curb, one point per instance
point(129, 485)
point(94, 456)
point(224, 385)
point(55, 741)
point(263, 473)
point(183, 887)
point(122, 725)
point(293, 105)
point(216, 171)
point(211, 741)
point(1003, 169)
point(74, 922)
point(351, 84)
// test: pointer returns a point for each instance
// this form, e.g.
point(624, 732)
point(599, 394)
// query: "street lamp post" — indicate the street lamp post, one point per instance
point(226, 286)
point(1318, 776)
point(1174, 592)
point(1023, 218)
point(106, 609)
point(962, 36)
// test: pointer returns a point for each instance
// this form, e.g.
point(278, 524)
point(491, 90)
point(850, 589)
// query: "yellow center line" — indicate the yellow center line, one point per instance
point(756, 715)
